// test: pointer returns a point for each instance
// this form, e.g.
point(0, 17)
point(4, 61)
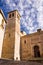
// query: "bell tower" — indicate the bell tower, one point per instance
point(11, 44)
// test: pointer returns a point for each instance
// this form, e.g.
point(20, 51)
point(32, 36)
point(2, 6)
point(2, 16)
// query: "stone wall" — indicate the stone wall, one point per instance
point(27, 45)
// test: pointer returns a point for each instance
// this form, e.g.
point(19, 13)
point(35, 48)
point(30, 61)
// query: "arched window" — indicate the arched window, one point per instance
point(25, 41)
point(9, 15)
point(12, 14)
point(36, 51)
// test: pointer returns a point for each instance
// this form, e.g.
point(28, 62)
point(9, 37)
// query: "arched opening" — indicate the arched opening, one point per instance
point(36, 51)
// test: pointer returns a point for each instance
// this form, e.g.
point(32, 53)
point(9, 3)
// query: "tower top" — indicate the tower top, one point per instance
point(14, 11)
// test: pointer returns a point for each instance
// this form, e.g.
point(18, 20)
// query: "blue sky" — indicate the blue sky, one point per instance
point(31, 12)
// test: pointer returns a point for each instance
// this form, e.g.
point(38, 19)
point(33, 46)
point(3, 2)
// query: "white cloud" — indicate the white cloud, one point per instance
point(40, 15)
point(7, 1)
point(27, 20)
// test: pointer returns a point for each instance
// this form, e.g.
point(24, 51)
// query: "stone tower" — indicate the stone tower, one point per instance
point(11, 43)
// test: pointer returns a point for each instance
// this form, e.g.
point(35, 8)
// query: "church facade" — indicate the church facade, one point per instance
point(32, 46)
point(16, 45)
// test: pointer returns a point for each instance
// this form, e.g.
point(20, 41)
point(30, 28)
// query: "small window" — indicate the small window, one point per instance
point(12, 14)
point(25, 41)
point(9, 15)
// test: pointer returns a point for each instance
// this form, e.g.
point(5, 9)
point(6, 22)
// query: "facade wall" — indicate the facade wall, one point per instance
point(27, 45)
point(25, 50)
point(2, 30)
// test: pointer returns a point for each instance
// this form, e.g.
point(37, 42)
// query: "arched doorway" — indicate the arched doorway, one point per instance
point(36, 51)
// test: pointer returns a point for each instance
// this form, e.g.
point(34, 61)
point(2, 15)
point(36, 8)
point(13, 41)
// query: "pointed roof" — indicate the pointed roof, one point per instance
point(13, 11)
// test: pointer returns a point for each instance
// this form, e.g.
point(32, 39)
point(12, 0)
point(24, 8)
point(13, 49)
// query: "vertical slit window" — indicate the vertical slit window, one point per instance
point(9, 15)
point(12, 14)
